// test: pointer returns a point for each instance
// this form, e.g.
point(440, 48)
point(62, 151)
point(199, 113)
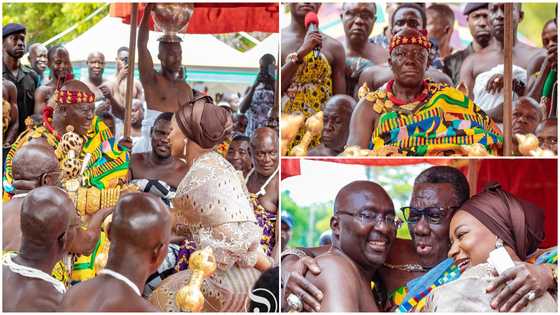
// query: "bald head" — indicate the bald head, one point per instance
point(264, 150)
point(38, 57)
point(336, 121)
point(46, 214)
point(96, 65)
point(33, 160)
point(141, 221)
point(357, 194)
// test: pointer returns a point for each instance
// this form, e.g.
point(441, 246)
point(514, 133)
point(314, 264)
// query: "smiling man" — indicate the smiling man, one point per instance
point(363, 226)
point(336, 123)
point(38, 59)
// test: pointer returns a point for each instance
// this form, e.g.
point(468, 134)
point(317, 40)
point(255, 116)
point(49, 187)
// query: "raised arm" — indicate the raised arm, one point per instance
point(145, 63)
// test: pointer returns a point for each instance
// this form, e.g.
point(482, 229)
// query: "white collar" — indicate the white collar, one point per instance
point(19, 195)
point(32, 272)
point(122, 278)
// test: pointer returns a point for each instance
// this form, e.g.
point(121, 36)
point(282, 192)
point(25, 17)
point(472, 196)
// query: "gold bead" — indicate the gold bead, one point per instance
point(93, 200)
point(81, 201)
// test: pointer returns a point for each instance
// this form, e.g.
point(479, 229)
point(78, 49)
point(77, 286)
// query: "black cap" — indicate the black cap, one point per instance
point(12, 28)
point(473, 6)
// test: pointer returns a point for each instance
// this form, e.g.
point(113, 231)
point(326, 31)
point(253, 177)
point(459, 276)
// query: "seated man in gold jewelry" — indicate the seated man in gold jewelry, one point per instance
point(93, 167)
point(262, 183)
point(414, 116)
point(139, 232)
point(28, 285)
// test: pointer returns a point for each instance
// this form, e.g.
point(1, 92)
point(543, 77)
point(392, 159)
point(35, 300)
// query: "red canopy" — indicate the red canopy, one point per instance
point(218, 18)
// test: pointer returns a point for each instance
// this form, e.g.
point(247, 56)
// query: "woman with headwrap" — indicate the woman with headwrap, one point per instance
point(212, 209)
point(487, 221)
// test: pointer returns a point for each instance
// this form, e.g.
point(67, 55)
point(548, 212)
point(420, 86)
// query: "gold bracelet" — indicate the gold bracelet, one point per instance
point(93, 200)
point(81, 201)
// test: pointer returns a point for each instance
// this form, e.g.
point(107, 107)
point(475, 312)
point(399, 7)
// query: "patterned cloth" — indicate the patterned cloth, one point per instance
point(416, 290)
point(267, 221)
point(59, 271)
point(259, 111)
point(309, 91)
point(107, 165)
point(445, 122)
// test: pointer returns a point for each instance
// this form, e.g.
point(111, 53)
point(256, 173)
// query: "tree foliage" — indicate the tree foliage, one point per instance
point(45, 20)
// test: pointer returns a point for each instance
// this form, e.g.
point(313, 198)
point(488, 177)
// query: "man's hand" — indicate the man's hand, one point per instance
point(312, 40)
point(126, 142)
point(552, 56)
point(519, 281)
point(496, 83)
point(294, 282)
point(106, 92)
point(123, 73)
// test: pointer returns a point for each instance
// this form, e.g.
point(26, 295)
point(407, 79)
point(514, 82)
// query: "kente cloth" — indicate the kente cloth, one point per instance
point(416, 290)
point(309, 91)
point(445, 122)
point(84, 266)
point(107, 165)
point(59, 271)
point(468, 294)
point(164, 270)
point(259, 111)
point(267, 222)
point(487, 101)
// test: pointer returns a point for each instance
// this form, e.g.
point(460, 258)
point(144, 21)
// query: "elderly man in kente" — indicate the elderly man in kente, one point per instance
point(94, 169)
point(413, 116)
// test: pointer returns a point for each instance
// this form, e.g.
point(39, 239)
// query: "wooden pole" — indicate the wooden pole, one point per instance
point(507, 90)
point(131, 61)
point(472, 175)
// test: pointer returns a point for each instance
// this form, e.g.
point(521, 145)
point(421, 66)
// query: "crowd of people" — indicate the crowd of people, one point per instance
point(446, 267)
point(409, 92)
point(88, 208)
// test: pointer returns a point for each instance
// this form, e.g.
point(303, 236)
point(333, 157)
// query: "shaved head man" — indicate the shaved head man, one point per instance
point(96, 67)
point(47, 219)
point(363, 226)
point(264, 151)
point(34, 165)
point(38, 58)
point(336, 126)
point(139, 234)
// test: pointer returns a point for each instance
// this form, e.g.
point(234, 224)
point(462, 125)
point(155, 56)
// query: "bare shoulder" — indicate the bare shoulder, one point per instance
point(334, 269)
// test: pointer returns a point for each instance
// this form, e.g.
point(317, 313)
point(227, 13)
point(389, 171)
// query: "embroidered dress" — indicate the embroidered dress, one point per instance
point(212, 204)
point(309, 91)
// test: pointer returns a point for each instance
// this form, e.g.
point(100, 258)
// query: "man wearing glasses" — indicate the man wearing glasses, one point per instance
point(438, 191)
point(363, 226)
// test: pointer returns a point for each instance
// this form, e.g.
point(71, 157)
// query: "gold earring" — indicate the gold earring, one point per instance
point(185, 148)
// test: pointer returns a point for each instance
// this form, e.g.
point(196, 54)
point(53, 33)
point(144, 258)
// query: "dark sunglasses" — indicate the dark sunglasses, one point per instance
point(434, 215)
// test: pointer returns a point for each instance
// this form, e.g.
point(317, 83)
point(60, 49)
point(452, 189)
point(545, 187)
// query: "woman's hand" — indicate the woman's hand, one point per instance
point(519, 282)
point(294, 282)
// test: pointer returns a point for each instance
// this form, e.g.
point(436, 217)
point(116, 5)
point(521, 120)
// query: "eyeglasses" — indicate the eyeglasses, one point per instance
point(434, 215)
point(370, 217)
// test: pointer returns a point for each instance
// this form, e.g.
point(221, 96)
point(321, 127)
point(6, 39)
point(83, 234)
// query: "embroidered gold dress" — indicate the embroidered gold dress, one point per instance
point(212, 205)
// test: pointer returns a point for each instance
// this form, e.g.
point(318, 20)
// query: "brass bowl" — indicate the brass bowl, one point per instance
point(172, 18)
